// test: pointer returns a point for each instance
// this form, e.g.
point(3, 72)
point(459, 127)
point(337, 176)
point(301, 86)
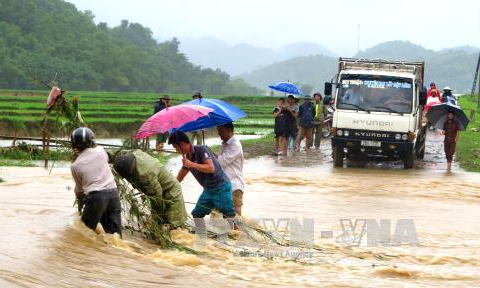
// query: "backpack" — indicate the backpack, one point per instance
point(306, 119)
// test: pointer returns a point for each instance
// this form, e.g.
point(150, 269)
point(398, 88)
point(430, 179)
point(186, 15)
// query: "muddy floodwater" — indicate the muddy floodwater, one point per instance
point(42, 243)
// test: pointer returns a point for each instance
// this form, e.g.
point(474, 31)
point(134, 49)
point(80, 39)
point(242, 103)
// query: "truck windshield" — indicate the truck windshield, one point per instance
point(376, 93)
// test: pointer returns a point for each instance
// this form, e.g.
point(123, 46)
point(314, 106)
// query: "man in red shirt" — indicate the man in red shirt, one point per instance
point(451, 131)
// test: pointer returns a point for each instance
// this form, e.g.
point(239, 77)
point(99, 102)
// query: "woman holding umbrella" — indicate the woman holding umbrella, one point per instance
point(451, 119)
point(451, 130)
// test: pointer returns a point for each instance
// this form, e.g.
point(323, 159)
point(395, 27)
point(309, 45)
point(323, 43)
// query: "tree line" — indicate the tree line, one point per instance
point(42, 40)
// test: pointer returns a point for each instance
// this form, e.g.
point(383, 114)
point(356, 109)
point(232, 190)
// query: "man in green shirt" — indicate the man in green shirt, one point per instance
point(318, 119)
point(150, 177)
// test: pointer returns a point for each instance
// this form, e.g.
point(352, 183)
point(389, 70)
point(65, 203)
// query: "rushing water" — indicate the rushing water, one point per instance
point(43, 244)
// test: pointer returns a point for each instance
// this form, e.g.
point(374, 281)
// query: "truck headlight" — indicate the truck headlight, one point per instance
point(404, 137)
point(398, 137)
point(346, 133)
point(339, 133)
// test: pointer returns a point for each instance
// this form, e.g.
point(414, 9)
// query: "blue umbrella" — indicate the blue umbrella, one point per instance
point(437, 115)
point(286, 87)
point(223, 113)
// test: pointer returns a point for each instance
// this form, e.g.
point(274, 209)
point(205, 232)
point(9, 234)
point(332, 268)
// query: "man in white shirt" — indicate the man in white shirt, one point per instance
point(94, 183)
point(231, 161)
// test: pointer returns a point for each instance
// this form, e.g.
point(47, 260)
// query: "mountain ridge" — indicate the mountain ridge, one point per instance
point(242, 57)
point(447, 67)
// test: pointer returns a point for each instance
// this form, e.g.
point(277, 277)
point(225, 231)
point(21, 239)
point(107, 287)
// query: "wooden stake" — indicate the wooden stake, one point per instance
point(47, 148)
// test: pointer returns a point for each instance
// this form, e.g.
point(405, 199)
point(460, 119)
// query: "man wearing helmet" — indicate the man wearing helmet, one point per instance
point(94, 183)
point(150, 177)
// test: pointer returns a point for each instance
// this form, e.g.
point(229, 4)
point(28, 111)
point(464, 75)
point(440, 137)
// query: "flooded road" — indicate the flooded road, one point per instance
point(42, 243)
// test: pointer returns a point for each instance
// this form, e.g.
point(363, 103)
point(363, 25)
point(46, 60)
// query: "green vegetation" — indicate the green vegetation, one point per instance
point(118, 114)
point(17, 163)
point(253, 147)
point(27, 153)
point(258, 147)
point(51, 39)
point(468, 146)
point(1, 180)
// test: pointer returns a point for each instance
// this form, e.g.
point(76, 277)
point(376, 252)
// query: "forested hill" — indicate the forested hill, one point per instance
point(42, 38)
point(454, 67)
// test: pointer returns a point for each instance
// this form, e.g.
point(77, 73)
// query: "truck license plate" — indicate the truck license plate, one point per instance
point(370, 143)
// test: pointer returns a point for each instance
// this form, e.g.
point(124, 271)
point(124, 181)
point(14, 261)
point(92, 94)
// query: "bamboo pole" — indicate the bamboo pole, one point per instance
point(47, 149)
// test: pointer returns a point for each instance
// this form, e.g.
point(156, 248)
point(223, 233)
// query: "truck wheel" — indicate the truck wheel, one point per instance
point(421, 154)
point(337, 156)
point(408, 161)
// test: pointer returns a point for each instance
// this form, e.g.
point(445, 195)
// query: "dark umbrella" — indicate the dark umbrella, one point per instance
point(286, 87)
point(437, 115)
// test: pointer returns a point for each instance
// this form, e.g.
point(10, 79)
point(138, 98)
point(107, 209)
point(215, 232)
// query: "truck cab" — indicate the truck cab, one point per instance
point(378, 110)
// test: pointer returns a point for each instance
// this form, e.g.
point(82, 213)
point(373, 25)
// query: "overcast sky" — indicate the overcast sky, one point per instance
point(273, 23)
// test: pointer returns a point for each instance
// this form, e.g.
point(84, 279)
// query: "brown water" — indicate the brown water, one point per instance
point(43, 244)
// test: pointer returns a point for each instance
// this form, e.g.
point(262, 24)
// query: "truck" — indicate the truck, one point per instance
point(378, 110)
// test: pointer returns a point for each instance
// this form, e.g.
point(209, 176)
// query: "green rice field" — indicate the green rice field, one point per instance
point(115, 114)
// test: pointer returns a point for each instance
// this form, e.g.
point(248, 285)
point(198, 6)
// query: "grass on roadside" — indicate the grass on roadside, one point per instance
point(468, 146)
point(28, 152)
point(16, 163)
point(258, 147)
point(253, 147)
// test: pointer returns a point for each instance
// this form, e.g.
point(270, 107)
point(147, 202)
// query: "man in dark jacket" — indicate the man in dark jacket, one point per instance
point(306, 115)
point(161, 104)
point(451, 131)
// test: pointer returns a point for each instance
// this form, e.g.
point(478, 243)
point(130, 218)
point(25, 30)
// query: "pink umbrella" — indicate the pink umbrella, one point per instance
point(171, 117)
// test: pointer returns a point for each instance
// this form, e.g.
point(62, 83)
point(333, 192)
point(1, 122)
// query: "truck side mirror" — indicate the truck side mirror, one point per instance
point(328, 89)
point(423, 98)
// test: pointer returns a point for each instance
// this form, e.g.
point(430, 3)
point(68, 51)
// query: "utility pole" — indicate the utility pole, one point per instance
point(475, 79)
point(477, 74)
point(358, 39)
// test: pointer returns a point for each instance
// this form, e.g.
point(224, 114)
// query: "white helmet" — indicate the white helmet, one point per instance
point(447, 88)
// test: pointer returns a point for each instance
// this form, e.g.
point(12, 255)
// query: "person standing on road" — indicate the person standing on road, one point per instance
point(162, 103)
point(95, 186)
point(197, 135)
point(291, 122)
point(231, 161)
point(280, 127)
point(447, 96)
point(451, 130)
point(319, 118)
point(306, 114)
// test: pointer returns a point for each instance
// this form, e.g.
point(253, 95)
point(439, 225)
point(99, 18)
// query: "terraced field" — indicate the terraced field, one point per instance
point(114, 114)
